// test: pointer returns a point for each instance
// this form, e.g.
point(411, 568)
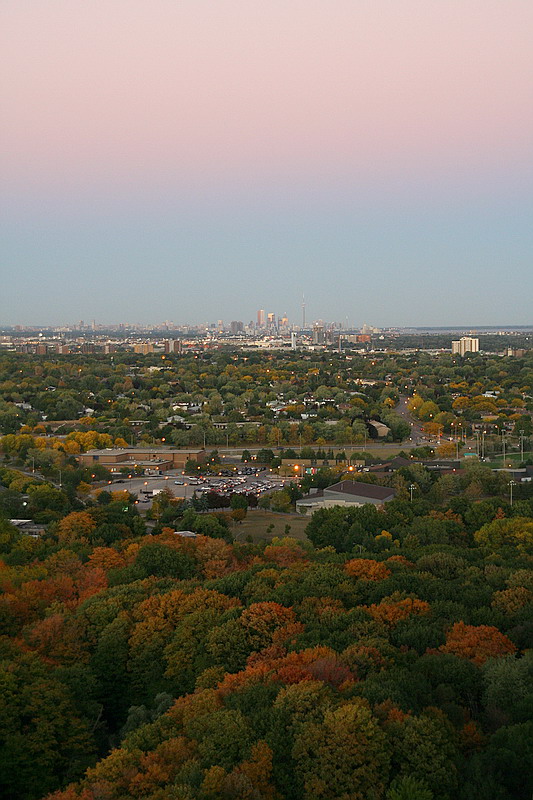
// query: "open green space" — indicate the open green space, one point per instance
point(258, 524)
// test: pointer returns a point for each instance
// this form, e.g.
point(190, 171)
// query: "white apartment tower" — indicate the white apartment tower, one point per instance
point(466, 344)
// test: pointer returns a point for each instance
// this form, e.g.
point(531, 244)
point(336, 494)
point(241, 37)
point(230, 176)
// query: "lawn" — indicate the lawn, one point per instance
point(257, 522)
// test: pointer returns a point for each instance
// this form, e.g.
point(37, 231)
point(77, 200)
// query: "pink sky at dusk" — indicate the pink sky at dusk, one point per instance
point(263, 145)
point(134, 91)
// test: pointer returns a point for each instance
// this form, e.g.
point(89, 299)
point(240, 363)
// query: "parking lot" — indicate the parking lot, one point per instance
point(185, 486)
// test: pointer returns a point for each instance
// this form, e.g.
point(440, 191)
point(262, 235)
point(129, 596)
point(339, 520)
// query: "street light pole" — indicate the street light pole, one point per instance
point(511, 484)
point(521, 446)
point(412, 487)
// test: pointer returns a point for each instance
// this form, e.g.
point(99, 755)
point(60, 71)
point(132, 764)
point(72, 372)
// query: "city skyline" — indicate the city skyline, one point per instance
point(164, 161)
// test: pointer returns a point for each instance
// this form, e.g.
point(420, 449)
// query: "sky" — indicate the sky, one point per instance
point(195, 160)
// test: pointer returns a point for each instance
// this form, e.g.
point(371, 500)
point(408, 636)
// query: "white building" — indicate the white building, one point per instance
point(466, 344)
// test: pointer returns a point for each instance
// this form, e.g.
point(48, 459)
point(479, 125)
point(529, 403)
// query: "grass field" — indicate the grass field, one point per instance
point(257, 522)
point(511, 460)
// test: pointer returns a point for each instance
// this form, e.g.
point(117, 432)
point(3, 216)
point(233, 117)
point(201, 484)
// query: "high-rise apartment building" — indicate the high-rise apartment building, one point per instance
point(172, 346)
point(319, 336)
point(261, 318)
point(466, 344)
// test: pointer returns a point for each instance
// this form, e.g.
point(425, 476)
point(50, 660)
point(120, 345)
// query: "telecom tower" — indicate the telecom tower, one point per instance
point(303, 312)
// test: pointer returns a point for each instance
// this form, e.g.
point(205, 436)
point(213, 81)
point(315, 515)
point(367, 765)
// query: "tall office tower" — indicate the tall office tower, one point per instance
point(236, 327)
point(271, 320)
point(261, 318)
point(466, 344)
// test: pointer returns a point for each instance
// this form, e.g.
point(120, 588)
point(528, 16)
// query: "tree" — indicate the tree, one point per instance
point(76, 525)
point(345, 756)
point(160, 560)
point(515, 532)
point(42, 740)
point(424, 749)
point(409, 788)
point(367, 569)
point(238, 514)
point(280, 501)
point(509, 759)
point(477, 642)
point(239, 501)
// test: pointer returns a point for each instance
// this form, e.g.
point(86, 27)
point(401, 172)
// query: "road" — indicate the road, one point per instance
point(417, 434)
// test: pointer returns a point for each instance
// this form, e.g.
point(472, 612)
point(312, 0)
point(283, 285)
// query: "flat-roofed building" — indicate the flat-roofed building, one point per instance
point(149, 458)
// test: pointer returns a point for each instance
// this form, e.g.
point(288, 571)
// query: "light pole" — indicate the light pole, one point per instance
point(511, 485)
point(412, 487)
point(503, 447)
point(521, 447)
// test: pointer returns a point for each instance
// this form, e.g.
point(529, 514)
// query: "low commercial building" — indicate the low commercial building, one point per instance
point(345, 493)
point(151, 459)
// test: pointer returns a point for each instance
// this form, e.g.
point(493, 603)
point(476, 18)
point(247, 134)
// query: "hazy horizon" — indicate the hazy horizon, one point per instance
point(199, 161)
